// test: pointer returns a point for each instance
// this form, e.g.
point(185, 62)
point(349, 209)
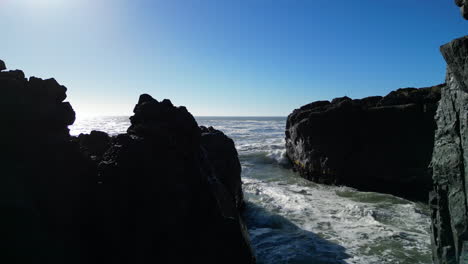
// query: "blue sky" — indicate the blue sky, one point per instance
point(237, 57)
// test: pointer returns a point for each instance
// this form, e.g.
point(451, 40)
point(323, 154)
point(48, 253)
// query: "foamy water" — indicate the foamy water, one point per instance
point(292, 220)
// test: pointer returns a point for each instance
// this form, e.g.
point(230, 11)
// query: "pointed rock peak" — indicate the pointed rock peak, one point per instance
point(167, 102)
point(145, 98)
point(2, 65)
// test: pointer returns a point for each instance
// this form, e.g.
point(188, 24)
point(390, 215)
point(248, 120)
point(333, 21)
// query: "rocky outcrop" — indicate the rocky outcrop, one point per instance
point(449, 162)
point(2, 65)
point(381, 144)
point(222, 154)
point(165, 192)
point(463, 4)
point(94, 144)
point(46, 183)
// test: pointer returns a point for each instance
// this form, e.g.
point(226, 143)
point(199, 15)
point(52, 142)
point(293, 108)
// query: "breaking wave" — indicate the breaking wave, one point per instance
point(291, 220)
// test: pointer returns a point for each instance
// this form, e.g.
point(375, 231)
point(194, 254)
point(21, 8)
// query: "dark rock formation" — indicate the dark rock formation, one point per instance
point(46, 183)
point(165, 192)
point(381, 144)
point(95, 144)
point(222, 153)
point(463, 4)
point(450, 160)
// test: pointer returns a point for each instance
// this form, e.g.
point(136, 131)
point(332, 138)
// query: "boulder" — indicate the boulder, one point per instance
point(94, 144)
point(449, 163)
point(2, 65)
point(381, 144)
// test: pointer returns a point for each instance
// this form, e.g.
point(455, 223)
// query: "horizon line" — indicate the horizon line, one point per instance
point(116, 115)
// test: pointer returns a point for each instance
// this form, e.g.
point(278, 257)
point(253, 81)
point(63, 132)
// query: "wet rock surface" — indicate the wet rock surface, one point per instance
point(449, 198)
point(381, 144)
point(167, 191)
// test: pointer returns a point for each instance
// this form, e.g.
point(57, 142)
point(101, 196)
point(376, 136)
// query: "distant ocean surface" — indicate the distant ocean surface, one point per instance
point(292, 220)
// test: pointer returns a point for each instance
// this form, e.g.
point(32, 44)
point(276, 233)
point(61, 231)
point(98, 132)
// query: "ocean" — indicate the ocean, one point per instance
point(292, 220)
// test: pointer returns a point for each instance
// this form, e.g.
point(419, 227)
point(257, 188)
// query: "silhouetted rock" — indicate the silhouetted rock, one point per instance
point(155, 119)
point(449, 199)
point(224, 160)
point(381, 144)
point(46, 183)
point(163, 193)
point(166, 191)
point(94, 144)
point(2, 65)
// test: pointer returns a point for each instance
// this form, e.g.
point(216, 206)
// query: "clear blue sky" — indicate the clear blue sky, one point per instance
point(237, 57)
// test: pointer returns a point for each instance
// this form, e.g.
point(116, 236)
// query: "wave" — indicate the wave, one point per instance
point(390, 231)
point(292, 220)
point(272, 156)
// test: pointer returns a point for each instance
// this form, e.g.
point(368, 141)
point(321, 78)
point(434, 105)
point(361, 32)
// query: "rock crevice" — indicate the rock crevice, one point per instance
point(449, 198)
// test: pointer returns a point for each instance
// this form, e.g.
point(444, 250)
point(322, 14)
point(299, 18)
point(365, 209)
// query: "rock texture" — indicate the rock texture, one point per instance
point(165, 192)
point(381, 144)
point(450, 159)
point(463, 4)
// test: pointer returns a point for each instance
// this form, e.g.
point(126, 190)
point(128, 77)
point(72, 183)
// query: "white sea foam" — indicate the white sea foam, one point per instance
point(110, 124)
point(395, 231)
point(291, 220)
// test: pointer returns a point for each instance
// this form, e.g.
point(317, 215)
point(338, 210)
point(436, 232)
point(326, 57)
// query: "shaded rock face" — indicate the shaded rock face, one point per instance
point(463, 4)
point(223, 155)
point(46, 183)
point(381, 144)
point(449, 198)
point(95, 144)
point(165, 192)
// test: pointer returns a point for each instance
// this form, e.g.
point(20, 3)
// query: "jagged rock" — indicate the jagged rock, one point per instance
point(381, 144)
point(165, 190)
point(95, 144)
point(46, 182)
point(449, 199)
point(156, 120)
point(159, 194)
point(463, 4)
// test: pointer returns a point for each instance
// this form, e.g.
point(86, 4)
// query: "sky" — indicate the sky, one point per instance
point(227, 58)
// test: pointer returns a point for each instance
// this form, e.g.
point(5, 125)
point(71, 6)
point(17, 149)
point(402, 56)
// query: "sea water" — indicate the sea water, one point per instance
point(292, 220)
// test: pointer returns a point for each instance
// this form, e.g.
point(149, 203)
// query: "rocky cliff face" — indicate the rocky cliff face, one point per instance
point(381, 144)
point(167, 191)
point(463, 4)
point(450, 160)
